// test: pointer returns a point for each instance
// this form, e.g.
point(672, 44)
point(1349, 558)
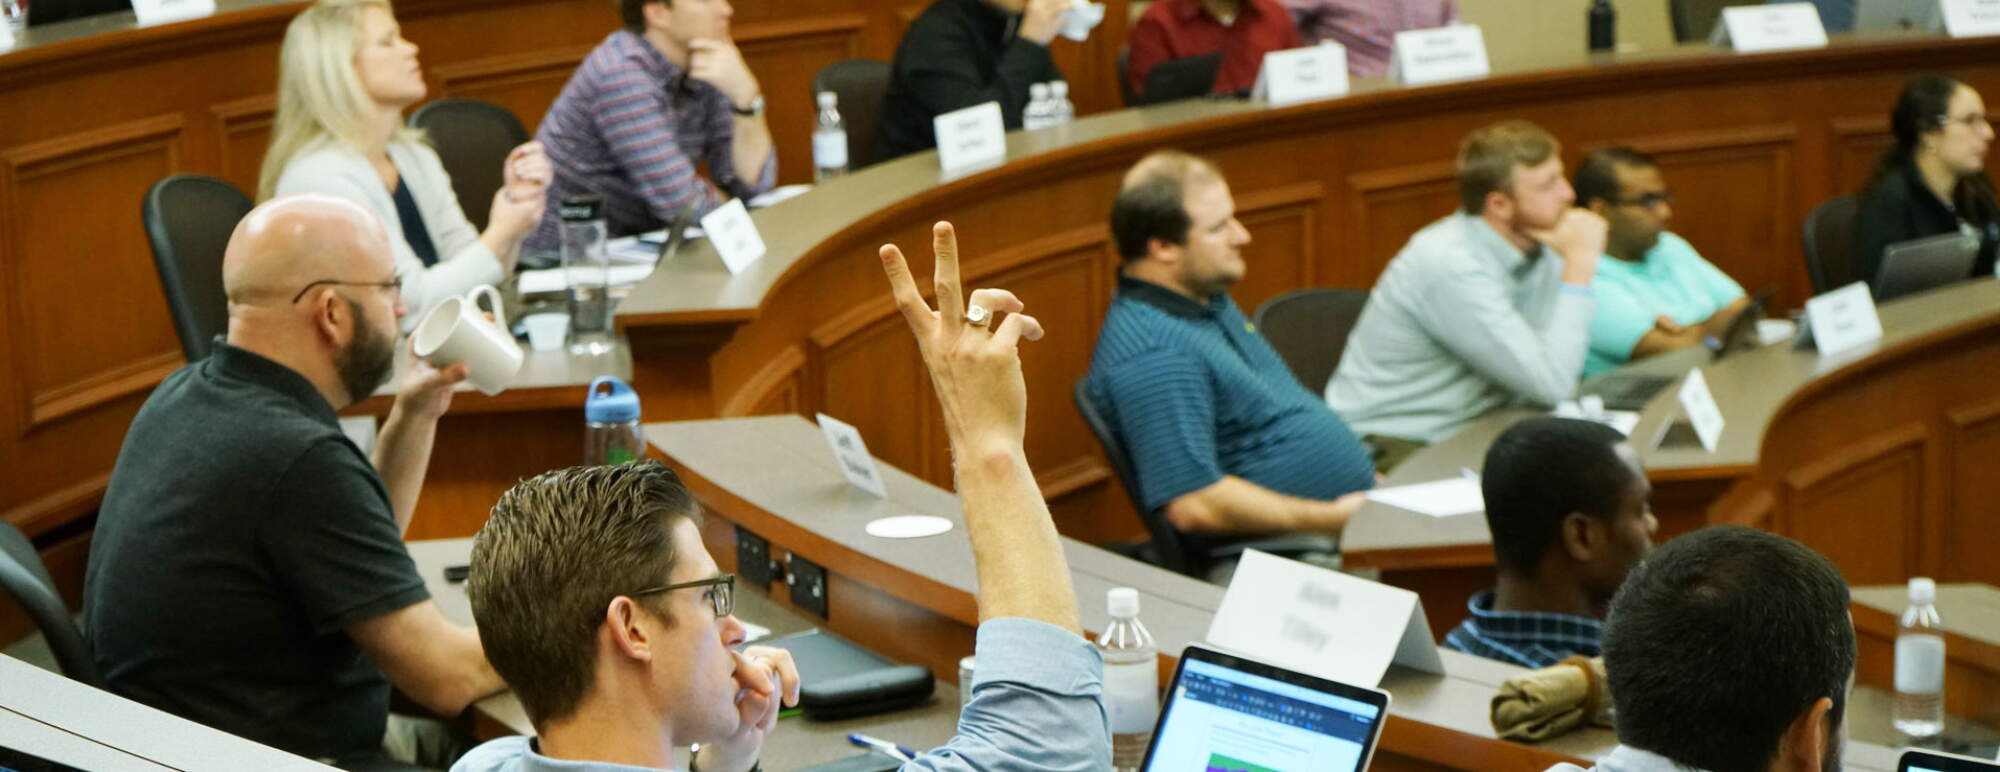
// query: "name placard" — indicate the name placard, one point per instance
point(1444, 53)
point(1698, 404)
point(1302, 74)
point(735, 237)
point(152, 12)
point(6, 34)
point(1971, 18)
point(1322, 622)
point(852, 455)
point(970, 138)
point(1752, 28)
point(1843, 319)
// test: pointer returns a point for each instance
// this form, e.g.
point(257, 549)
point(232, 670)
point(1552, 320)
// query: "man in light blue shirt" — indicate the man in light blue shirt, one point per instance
point(1655, 294)
point(1485, 308)
point(598, 604)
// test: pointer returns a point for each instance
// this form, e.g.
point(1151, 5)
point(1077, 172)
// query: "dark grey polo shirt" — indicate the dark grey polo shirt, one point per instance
point(241, 535)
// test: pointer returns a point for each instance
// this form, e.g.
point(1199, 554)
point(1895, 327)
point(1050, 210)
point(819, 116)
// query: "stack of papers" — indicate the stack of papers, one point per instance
point(555, 280)
point(1442, 498)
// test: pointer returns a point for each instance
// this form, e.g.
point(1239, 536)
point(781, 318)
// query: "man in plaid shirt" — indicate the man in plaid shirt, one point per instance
point(1567, 504)
point(655, 100)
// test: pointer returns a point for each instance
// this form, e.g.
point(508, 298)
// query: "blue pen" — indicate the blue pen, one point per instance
point(898, 752)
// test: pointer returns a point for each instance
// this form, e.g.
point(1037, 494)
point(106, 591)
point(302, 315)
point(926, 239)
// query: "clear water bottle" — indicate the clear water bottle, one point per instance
point(1131, 680)
point(611, 432)
point(587, 271)
point(829, 139)
point(1059, 97)
point(1040, 113)
point(1919, 708)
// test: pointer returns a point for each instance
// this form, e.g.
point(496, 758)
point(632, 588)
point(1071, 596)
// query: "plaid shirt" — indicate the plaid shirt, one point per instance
point(1367, 27)
point(632, 127)
point(1531, 639)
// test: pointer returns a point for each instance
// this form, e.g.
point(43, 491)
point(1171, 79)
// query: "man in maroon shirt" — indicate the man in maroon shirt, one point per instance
point(1241, 30)
point(1368, 27)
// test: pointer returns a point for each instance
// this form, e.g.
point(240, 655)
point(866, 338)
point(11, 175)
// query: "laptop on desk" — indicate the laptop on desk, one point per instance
point(1910, 267)
point(1224, 713)
point(1622, 391)
point(1935, 761)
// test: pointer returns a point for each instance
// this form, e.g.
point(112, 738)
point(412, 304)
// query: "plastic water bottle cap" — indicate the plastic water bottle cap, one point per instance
point(1059, 87)
point(827, 100)
point(1923, 591)
point(1038, 91)
point(1123, 602)
point(617, 404)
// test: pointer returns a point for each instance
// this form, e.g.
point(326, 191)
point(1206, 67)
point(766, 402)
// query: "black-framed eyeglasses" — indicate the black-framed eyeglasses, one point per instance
point(395, 284)
point(1648, 200)
point(721, 593)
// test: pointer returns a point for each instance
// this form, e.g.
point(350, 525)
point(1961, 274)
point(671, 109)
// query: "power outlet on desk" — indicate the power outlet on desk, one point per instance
point(808, 581)
point(754, 565)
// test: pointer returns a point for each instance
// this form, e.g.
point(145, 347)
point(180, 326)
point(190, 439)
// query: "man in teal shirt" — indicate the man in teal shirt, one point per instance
point(1656, 294)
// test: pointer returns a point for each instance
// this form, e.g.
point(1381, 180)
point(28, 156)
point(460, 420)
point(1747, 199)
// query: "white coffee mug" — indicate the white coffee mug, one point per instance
point(455, 331)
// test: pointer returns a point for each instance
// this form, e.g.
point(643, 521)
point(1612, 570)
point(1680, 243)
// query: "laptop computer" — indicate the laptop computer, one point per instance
point(1910, 267)
point(1632, 391)
point(1225, 713)
point(1935, 761)
point(1183, 78)
point(1741, 335)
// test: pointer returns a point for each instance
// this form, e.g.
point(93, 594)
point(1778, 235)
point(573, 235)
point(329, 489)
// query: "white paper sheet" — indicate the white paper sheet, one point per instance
point(1441, 498)
point(780, 193)
point(553, 279)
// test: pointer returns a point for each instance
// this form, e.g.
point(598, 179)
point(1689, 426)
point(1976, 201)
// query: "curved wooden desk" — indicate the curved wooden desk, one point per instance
point(913, 599)
point(1750, 142)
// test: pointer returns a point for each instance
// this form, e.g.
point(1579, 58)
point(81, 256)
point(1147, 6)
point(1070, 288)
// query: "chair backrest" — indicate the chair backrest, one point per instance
point(1829, 240)
point(23, 577)
point(861, 84)
point(1308, 328)
point(189, 219)
point(1125, 76)
point(1170, 547)
point(472, 139)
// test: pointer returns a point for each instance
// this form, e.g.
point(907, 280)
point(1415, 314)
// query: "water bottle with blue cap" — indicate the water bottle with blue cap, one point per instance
point(611, 432)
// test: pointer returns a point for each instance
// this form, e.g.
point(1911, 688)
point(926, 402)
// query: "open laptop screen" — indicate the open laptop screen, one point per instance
point(1226, 714)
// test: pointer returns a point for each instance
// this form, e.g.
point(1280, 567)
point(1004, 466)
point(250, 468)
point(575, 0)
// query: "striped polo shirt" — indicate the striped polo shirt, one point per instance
point(1195, 393)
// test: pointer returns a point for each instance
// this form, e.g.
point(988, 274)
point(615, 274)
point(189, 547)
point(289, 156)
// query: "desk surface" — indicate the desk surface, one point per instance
point(47, 715)
point(1750, 387)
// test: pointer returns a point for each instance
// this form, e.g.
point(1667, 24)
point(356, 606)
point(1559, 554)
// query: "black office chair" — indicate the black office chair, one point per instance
point(1308, 328)
point(472, 139)
point(1125, 76)
point(1168, 548)
point(1829, 240)
point(1190, 554)
point(861, 84)
point(188, 222)
point(24, 578)
point(42, 12)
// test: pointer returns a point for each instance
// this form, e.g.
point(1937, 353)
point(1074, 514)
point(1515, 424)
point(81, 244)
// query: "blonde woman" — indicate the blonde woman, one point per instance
point(346, 74)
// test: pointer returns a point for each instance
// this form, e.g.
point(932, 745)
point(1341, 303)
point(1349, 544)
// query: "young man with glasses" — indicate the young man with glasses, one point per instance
point(610, 621)
point(1655, 294)
point(248, 569)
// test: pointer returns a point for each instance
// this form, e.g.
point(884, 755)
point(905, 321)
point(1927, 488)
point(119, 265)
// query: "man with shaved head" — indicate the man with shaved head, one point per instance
point(248, 570)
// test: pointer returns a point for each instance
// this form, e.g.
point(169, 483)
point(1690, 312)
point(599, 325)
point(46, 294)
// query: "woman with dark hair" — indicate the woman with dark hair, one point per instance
point(1933, 180)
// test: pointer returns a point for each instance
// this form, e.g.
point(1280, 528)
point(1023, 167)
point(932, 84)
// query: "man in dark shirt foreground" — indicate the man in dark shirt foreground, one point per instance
point(248, 570)
point(1569, 510)
point(1222, 436)
point(960, 53)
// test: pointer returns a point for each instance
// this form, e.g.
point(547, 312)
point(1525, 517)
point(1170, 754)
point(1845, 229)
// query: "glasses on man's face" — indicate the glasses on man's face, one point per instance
point(1651, 200)
point(395, 285)
point(720, 592)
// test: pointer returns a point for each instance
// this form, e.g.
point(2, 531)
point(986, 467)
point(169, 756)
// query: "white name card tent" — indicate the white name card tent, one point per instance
point(1778, 27)
point(852, 455)
point(1842, 320)
point(1698, 404)
point(151, 12)
point(1971, 18)
point(1439, 54)
point(972, 138)
point(734, 235)
point(1322, 622)
point(1302, 74)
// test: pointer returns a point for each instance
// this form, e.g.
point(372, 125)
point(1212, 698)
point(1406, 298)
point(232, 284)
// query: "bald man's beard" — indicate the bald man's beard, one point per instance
point(365, 363)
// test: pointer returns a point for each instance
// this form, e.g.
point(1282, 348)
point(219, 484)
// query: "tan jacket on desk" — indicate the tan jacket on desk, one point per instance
point(463, 260)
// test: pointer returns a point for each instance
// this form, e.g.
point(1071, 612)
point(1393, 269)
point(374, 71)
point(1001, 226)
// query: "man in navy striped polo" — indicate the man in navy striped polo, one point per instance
point(1224, 440)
